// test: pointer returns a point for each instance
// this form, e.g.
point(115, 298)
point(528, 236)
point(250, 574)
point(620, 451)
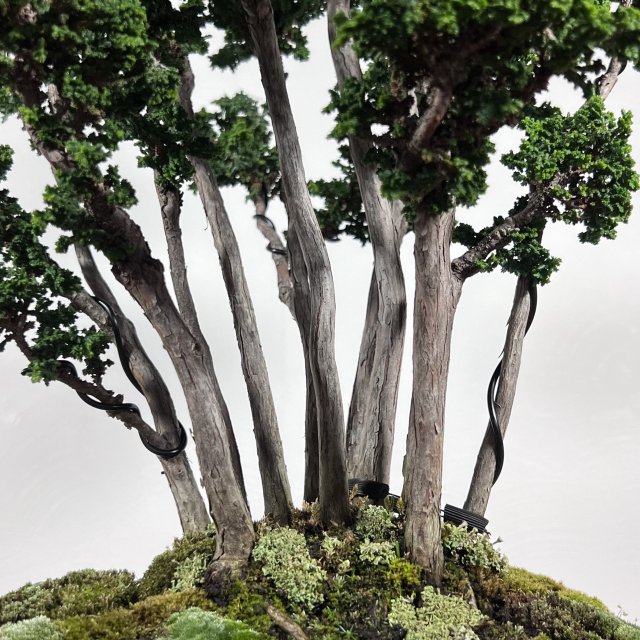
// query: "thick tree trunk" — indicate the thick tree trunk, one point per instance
point(273, 471)
point(482, 481)
point(334, 505)
point(182, 482)
point(372, 413)
point(436, 298)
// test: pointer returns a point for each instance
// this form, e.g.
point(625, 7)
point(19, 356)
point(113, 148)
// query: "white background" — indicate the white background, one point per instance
point(78, 490)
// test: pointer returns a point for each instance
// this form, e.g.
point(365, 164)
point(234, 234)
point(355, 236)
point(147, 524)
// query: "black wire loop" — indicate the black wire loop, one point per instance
point(125, 406)
point(496, 432)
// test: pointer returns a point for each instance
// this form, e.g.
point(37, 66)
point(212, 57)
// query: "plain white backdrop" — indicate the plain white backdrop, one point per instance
point(78, 490)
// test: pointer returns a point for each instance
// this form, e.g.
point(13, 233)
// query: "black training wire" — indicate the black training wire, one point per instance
point(498, 443)
point(125, 406)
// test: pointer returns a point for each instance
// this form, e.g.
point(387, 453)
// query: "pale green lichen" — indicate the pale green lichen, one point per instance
point(286, 562)
point(189, 573)
point(38, 628)
point(439, 618)
point(471, 548)
point(377, 553)
point(374, 524)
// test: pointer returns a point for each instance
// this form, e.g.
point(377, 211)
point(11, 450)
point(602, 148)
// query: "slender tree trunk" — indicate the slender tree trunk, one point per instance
point(182, 482)
point(273, 471)
point(302, 305)
point(436, 298)
point(482, 481)
point(372, 413)
point(334, 505)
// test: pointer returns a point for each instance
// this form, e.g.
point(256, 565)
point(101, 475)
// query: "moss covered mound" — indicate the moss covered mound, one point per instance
point(306, 582)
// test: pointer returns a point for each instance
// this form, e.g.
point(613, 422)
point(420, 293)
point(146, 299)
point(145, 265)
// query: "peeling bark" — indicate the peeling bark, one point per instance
point(371, 421)
point(436, 298)
point(189, 503)
point(333, 490)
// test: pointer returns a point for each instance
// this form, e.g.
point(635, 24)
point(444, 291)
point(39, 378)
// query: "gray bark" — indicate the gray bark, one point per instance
point(334, 505)
point(480, 489)
point(436, 298)
point(371, 421)
point(302, 306)
point(273, 471)
point(143, 277)
point(184, 487)
point(279, 255)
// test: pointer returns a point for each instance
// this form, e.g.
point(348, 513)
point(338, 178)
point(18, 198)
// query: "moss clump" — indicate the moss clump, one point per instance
point(161, 574)
point(439, 617)
point(145, 620)
point(196, 624)
point(286, 561)
point(77, 593)
point(38, 628)
point(540, 605)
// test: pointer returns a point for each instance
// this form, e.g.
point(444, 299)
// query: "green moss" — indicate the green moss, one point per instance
point(112, 625)
point(517, 579)
point(161, 574)
point(77, 593)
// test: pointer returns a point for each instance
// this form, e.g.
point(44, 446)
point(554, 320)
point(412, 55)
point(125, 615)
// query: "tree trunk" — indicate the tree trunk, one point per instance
point(436, 298)
point(273, 471)
point(372, 413)
point(186, 494)
point(302, 307)
point(482, 482)
point(334, 506)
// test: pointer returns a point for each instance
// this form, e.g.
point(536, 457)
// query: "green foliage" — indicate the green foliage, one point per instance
point(196, 624)
point(374, 523)
point(286, 562)
point(484, 62)
point(32, 291)
point(243, 152)
point(39, 628)
point(471, 548)
point(162, 572)
point(585, 159)
point(439, 617)
point(342, 211)
point(290, 17)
